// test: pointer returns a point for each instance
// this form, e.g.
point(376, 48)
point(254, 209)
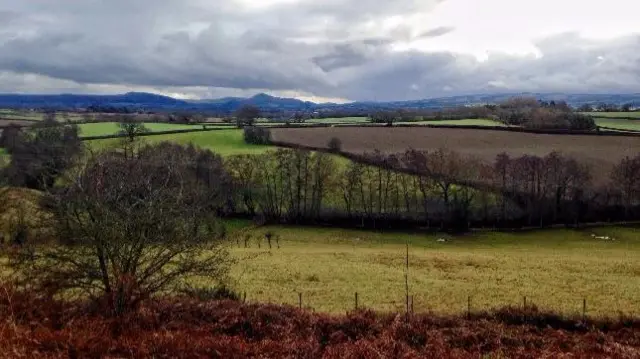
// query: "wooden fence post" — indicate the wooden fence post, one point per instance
point(300, 300)
point(412, 305)
point(356, 300)
point(469, 307)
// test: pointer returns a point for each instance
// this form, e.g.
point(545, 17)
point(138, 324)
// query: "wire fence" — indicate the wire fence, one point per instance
point(466, 307)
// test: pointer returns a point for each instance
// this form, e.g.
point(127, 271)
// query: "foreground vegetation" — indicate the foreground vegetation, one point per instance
point(188, 329)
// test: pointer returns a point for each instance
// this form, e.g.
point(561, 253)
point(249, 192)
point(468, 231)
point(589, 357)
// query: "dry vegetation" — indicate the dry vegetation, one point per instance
point(601, 151)
point(35, 327)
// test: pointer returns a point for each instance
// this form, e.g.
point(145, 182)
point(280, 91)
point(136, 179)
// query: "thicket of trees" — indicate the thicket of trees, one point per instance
point(608, 107)
point(256, 135)
point(41, 154)
point(531, 113)
point(440, 188)
point(527, 112)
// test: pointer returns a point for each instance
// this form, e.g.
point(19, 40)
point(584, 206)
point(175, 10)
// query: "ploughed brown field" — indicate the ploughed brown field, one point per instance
point(601, 152)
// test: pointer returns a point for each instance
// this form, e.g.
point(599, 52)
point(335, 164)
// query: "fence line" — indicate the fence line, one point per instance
point(581, 309)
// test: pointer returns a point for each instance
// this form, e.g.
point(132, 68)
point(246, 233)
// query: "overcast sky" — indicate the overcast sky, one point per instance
point(319, 49)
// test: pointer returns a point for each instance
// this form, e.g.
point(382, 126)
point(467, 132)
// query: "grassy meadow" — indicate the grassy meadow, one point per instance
point(619, 124)
point(553, 269)
point(224, 142)
point(112, 128)
point(614, 114)
point(339, 120)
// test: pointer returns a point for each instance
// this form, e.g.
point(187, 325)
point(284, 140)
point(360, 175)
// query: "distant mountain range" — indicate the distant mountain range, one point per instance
point(267, 103)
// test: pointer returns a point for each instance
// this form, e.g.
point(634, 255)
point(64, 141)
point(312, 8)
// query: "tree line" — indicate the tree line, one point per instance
point(439, 189)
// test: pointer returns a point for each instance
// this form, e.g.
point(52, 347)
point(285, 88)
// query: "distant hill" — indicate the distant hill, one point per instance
point(69, 101)
point(271, 104)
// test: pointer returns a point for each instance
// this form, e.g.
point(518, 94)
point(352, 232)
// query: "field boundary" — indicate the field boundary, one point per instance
point(608, 131)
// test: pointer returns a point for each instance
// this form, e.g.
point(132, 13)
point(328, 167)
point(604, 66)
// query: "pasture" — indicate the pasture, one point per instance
point(484, 144)
point(224, 142)
point(331, 121)
point(619, 124)
point(554, 269)
point(614, 114)
point(112, 128)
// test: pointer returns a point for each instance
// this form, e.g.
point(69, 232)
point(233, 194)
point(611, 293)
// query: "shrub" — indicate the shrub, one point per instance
point(206, 294)
point(334, 144)
point(257, 135)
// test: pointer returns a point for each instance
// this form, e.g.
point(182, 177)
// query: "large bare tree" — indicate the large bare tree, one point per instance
point(131, 226)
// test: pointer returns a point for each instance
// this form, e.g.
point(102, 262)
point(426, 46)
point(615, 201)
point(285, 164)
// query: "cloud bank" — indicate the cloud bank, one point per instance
point(348, 49)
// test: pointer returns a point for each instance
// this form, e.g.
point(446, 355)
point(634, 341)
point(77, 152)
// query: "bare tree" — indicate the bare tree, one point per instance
point(129, 227)
point(247, 115)
point(626, 177)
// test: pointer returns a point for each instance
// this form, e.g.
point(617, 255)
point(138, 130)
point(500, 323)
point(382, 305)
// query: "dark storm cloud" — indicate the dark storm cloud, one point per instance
point(321, 48)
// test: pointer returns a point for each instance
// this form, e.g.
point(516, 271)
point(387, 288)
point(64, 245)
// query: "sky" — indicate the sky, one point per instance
point(319, 50)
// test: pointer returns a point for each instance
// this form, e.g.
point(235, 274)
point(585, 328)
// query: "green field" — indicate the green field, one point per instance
point(111, 128)
point(614, 114)
point(223, 142)
point(37, 116)
point(553, 269)
point(619, 123)
point(467, 122)
point(20, 115)
point(339, 120)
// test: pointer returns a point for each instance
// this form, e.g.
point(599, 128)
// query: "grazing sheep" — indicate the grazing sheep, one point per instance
point(605, 238)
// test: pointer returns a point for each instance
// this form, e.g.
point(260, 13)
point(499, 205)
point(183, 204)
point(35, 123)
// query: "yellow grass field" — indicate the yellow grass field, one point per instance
point(553, 269)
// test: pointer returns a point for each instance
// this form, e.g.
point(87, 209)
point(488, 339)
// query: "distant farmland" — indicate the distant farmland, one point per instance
point(4, 122)
point(614, 114)
point(598, 151)
point(465, 122)
point(112, 128)
point(223, 142)
point(619, 124)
